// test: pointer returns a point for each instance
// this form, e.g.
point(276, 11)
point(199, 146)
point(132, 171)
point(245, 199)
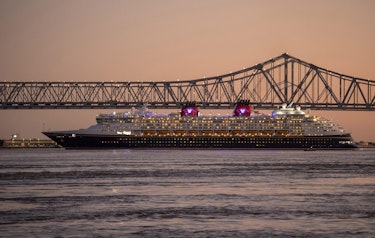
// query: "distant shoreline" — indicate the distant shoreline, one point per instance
point(362, 144)
point(27, 143)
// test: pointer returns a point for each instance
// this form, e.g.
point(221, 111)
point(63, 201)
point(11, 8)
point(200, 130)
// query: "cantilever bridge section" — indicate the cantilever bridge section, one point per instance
point(283, 79)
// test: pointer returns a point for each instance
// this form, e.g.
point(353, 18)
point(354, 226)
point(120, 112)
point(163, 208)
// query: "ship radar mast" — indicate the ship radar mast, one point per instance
point(288, 110)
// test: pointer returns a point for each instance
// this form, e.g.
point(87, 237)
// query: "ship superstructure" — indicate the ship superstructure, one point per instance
point(286, 127)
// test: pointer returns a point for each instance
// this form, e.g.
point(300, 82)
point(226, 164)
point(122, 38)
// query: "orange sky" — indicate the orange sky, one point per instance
point(77, 40)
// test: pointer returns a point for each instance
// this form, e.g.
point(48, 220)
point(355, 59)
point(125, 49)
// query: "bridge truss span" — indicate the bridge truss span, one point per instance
point(283, 79)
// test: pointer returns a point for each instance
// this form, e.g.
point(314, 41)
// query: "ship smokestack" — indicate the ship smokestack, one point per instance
point(242, 109)
point(189, 109)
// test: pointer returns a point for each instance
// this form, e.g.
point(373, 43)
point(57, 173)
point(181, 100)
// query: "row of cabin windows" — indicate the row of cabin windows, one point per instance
point(219, 140)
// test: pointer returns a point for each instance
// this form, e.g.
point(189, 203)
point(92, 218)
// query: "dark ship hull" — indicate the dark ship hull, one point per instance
point(87, 141)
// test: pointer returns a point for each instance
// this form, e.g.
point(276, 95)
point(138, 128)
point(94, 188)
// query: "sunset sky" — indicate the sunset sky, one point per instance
point(123, 40)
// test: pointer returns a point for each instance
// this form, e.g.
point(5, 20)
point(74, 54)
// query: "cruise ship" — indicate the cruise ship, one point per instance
point(286, 127)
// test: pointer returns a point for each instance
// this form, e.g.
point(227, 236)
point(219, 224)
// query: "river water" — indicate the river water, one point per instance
point(186, 193)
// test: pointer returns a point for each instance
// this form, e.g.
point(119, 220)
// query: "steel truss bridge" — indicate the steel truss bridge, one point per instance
point(283, 79)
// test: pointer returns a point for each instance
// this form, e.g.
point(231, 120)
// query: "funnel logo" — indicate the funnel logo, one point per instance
point(189, 109)
point(242, 109)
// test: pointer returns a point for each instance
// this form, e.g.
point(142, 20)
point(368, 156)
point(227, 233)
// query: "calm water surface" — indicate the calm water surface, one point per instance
point(187, 193)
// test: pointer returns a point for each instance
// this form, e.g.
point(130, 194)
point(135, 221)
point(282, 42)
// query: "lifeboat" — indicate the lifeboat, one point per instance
point(150, 133)
point(164, 132)
point(268, 132)
point(193, 132)
point(238, 133)
point(282, 132)
point(179, 132)
point(206, 132)
point(221, 132)
point(242, 109)
point(252, 132)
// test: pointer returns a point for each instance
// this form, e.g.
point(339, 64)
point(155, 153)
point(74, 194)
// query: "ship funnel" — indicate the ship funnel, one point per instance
point(190, 109)
point(242, 109)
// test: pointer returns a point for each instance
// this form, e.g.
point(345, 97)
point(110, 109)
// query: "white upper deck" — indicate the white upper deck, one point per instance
point(285, 119)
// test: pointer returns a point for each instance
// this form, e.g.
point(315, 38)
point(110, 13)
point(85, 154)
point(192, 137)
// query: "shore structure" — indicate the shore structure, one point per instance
point(28, 143)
